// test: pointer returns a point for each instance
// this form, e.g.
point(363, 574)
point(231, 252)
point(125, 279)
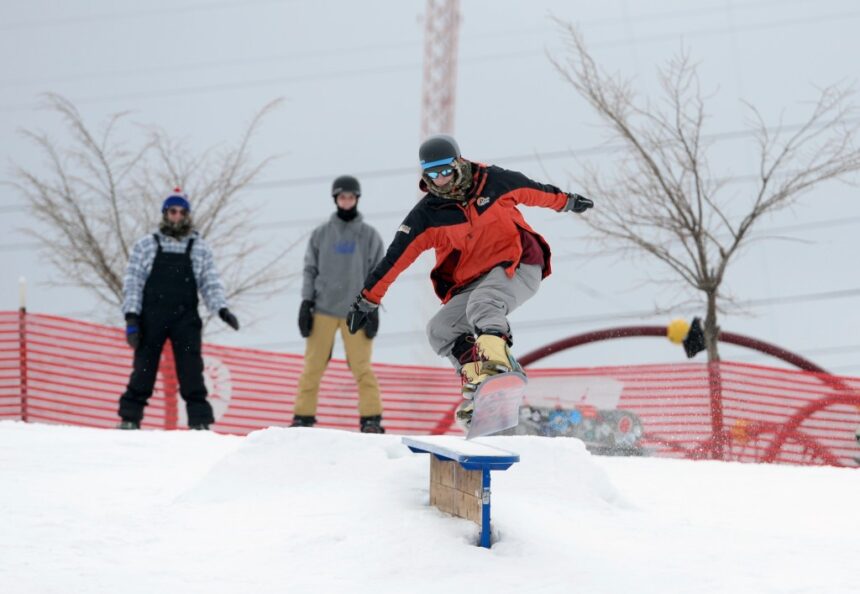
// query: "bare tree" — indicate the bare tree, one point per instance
point(661, 198)
point(97, 196)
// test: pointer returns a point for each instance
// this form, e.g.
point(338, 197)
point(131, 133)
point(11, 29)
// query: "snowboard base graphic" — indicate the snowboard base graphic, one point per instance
point(497, 404)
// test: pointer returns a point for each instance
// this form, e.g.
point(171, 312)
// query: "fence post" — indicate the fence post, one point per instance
point(170, 385)
point(715, 389)
point(22, 344)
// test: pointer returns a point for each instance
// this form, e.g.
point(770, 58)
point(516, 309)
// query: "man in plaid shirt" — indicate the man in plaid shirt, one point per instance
point(165, 272)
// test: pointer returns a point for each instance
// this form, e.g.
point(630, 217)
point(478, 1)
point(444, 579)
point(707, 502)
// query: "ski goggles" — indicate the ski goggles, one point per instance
point(439, 172)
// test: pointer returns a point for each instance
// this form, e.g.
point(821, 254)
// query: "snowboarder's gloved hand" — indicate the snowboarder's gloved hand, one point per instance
point(359, 314)
point(577, 203)
point(132, 330)
point(372, 327)
point(306, 318)
point(228, 317)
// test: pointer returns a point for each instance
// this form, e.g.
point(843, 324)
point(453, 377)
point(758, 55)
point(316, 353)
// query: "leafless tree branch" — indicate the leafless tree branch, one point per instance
point(662, 200)
point(95, 196)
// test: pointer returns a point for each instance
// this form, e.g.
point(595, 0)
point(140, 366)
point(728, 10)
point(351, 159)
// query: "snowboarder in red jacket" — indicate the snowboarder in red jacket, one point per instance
point(489, 261)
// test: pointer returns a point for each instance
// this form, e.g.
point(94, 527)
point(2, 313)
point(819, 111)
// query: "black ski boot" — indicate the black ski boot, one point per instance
point(303, 421)
point(372, 424)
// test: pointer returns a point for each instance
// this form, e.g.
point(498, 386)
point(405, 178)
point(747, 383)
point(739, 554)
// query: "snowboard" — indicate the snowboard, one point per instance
point(497, 404)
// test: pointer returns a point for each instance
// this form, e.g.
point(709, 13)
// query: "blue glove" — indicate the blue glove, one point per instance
point(132, 330)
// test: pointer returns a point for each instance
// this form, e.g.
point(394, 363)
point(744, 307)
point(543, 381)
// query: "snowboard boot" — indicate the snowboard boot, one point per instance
point(493, 357)
point(495, 354)
point(372, 424)
point(199, 426)
point(303, 421)
point(126, 424)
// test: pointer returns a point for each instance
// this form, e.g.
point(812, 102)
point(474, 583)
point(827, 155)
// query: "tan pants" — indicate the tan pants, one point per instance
point(318, 348)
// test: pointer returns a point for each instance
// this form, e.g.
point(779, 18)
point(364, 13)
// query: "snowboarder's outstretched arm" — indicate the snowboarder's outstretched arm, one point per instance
point(531, 193)
point(412, 238)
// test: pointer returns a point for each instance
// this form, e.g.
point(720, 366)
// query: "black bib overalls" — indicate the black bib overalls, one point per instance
point(169, 310)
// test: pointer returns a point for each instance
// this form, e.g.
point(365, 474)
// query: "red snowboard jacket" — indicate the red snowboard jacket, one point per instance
point(470, 237)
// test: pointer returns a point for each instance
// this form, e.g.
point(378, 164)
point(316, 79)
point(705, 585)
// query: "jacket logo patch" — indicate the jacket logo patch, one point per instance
point(404, 229)
point(483, 200)
point(344, 247)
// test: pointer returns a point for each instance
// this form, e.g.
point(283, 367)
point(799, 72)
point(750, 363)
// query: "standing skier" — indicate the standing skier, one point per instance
point(340, 254)
point(164, 274)
point(489, 261)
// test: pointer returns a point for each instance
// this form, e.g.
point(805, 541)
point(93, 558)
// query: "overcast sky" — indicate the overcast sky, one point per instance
point(350, 74)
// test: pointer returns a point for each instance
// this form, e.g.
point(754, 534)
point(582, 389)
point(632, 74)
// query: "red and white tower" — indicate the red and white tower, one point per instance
point(438, 101)
point(439, 93)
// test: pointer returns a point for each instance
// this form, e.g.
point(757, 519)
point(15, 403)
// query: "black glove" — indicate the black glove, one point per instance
point(578, 204)
point(132, 330)
point(228, 317)
point(371, 329)
point(306, 318)
point(359, 314)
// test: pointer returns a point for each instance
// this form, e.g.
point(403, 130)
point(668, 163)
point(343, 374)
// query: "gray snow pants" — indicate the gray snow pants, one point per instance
point(483, 304)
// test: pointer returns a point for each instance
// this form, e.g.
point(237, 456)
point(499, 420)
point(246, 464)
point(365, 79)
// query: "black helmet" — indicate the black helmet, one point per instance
point(438, 150)
point(345, 183)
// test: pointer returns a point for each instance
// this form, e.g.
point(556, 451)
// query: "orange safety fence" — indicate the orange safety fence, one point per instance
point(59, 370)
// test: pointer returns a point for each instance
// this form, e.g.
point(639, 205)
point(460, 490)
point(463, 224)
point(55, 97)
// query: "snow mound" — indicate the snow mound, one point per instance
point(313, 510)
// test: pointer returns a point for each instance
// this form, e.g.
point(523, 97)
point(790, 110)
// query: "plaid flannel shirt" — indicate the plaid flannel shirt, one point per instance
point(140, 265)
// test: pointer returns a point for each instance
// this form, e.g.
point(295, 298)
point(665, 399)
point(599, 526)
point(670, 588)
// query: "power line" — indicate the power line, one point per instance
point(247, 84)
point(208, 64)
point(841, 368)
point(818, 352)
point(842, 294)
point(325, 52)
point(603, 318)
point(19, 246)
point(413, 65)
point(134, 14)
point(388, 214)
point(535, 156)
point(308, 223)
point(209, 6)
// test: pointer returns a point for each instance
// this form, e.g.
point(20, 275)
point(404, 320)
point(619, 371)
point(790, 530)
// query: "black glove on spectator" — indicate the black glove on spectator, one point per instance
point(132, 330)
point(306, 318)
point(359, 314)
point(578, 204)
point(371, 329)
point(228, 317)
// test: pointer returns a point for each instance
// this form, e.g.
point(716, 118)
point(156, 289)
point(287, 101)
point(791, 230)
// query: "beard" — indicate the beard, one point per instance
point(178, 229)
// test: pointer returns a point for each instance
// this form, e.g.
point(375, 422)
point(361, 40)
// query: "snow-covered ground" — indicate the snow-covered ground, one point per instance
point(313, 510)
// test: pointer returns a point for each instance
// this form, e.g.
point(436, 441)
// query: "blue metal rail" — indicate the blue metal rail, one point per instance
point(470, 455)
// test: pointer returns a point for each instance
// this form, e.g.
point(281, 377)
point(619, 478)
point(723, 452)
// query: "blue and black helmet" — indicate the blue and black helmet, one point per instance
point(438, 151)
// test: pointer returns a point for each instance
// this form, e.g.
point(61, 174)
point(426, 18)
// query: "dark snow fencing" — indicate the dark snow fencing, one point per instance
point(59, 370)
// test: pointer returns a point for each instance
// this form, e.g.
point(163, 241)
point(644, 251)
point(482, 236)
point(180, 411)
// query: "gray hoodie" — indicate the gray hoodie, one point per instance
point(339, 257)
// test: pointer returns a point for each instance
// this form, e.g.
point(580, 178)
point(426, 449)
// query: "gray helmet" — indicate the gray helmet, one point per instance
point(437, 151)
point(345, 183)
